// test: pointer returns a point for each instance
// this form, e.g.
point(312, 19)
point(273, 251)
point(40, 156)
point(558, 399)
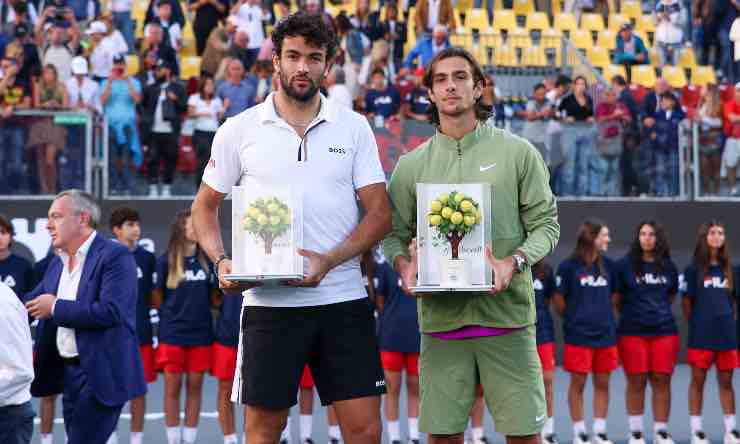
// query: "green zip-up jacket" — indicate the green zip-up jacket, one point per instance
point(525, 218)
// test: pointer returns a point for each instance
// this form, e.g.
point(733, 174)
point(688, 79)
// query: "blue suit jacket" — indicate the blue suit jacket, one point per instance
point(104, 319)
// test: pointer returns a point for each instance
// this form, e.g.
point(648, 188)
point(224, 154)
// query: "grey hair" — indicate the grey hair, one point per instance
point(340, 77)
point(83, 203)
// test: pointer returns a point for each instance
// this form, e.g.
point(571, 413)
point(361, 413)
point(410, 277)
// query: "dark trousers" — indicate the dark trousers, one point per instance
point(202, 141)
point(86, 419)
point(163, 147)
point(16, 423)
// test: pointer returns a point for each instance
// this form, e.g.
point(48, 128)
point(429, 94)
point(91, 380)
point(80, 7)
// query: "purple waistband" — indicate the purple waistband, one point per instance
point(472, 331)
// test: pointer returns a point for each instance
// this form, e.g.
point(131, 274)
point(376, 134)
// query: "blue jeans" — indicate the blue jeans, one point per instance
point(726, 49)
point(123, 22)
point(72, 161)
point(668, 53)
point(120, 176)
point(578, 147)
point(12, 144)
point(666, 172)
point(16, 423)
point(604, 178)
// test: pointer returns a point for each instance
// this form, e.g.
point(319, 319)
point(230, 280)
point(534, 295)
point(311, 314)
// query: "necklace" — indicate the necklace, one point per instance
point(291, 123)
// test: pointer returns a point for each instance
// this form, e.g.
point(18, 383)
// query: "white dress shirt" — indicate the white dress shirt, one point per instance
point(69, 281)
point(16, 359)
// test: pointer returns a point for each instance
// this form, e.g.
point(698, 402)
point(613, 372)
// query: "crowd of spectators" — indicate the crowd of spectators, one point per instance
point(77, 55)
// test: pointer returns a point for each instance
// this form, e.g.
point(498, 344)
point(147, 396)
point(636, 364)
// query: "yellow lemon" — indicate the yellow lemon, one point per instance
point(466, 205)
point(282, 213)
point(443, 198)
point(248, 221)
point(459, 197)
point(272, 208)
point(469, 221)
point(285, 219)
point(456, 218)
point(478, 217)
point(447, 212)
point(262, 219)
point(436, 206)
point(275, 220)
point(435, 220)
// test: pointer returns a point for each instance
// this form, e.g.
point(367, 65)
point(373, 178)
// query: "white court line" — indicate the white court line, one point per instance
point(154, 416)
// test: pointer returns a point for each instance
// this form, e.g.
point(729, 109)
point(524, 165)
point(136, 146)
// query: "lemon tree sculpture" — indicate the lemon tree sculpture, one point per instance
point(452, 216)
point(267, 218)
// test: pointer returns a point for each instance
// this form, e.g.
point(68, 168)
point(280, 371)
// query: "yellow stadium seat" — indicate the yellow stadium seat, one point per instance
point(592, 22)
point(504, 55)
point(504, 19)
point(610, 71)
point(132, 65)
point(675, 76)
point(617, 20)
point(557, 6)
point(645, 23)
point(490, 40)
point(477, 18)
point(644, 75)
point(703, 75)
point(581, 39)
point(598, 56)
point(607, 38)
point(190, 67)
point(565, 22)
point(463, 5)
point(462, 40)
point(534, 56)
point(519, 38)
point(537, 20)
point(523, 7)
point(480, 53)
point(654, 57)
point(686, 57)
point(644, 38)
point(551, 38)
point(631, 9)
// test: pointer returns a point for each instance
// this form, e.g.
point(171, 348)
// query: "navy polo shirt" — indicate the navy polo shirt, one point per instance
point(146, 264)
point(543, 290)
point(17, 273)
point(712, 320)
point(398, 327)
point(384, 103)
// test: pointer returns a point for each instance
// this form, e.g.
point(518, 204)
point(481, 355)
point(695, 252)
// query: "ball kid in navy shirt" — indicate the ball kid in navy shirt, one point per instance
point(544, 287)
point(398, 329)
point(15, 272)
point(382, 99)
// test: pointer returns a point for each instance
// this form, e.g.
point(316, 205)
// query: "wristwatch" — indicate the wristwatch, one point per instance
point(520, 261)
point(219, 260)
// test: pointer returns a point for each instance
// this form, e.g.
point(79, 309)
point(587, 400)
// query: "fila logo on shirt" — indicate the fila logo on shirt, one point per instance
point(384, 100)
point(537, 285)
point(651, 279)
point(199, 276)
point(591, 281)
point(715, 282)
point(9, 281)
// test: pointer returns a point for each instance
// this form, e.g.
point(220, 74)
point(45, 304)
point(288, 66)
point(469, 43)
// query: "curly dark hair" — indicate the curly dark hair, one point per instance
point(309, 26)
point(661, 253)
point(482, 112)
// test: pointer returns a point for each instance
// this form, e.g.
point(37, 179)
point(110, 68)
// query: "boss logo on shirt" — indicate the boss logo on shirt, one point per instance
point(651, 279)
point(199, 276)
point(537, 285)
point(337, 150)
point(139, 273)
point(9, 281)
point(715, 282)
point(590, 281)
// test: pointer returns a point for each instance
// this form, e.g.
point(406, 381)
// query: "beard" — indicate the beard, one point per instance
point(294, 94)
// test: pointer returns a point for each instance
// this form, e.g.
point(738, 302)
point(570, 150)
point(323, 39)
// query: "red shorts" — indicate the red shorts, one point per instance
point(306, 378)
point(180, 359)
point(147, 358)
point(224, 362)
point(398, 361)
point(547, 356)
point(703, 359)
point(643, 354)
point(579, 359)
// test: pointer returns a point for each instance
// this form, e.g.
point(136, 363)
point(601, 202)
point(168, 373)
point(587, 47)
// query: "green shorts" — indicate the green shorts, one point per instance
point(507, 367)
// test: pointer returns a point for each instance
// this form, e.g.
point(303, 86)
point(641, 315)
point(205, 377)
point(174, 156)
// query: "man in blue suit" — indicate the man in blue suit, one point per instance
point(86, 338)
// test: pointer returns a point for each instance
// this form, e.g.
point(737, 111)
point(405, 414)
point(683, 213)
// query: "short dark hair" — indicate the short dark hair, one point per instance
point(378, 70)
point(122, 215)
point(482, 112)
point(309, 26)
point(619, 80)
point(563, 80)
point(668, 95)
point(538, 86)
point(5, 225)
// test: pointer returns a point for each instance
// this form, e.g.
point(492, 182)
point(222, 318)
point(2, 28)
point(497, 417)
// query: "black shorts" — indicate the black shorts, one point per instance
point(337, 341)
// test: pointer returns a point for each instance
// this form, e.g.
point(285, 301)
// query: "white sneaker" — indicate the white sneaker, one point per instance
point(581, 438)
point(663, 437)
point(732, 437)
point(637, 438)
point(600, 438)
point(699, 437)
point(153, 192)
point(166, 191)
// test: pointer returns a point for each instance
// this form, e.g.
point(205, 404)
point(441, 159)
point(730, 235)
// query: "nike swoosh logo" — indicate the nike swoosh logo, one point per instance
point(486, 168)
point(539, 418)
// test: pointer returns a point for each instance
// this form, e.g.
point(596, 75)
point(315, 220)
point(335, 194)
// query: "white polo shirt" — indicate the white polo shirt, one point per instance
point(337, 157)
point(16, 361)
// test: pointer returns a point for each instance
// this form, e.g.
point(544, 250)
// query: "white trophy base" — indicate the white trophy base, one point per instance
point(455, 273)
